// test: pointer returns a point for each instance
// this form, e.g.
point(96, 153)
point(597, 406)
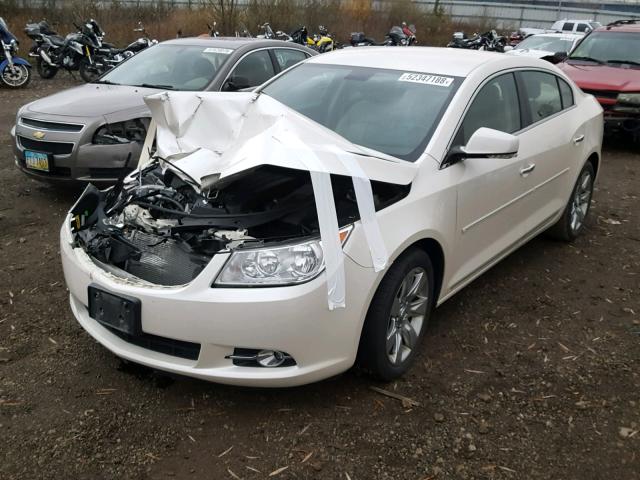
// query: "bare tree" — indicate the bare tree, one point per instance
point(226, 14)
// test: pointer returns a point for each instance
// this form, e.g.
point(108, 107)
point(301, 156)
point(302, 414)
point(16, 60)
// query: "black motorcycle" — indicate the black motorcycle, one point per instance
point(75, 52)
point(395, 38)
point(107, 57)
point(489, 41)
point(15, 72)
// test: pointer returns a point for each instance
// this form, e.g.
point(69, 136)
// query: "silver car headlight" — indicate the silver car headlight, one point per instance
point(276, 266)
point(629, 99)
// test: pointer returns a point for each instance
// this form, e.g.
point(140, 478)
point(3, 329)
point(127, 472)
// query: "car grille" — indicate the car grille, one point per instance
point(54, 126)
point(168, 346)
point(55, 148)
point(602, 93)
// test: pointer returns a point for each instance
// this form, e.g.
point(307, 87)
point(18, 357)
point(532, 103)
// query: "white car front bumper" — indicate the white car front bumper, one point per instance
point(292, 319)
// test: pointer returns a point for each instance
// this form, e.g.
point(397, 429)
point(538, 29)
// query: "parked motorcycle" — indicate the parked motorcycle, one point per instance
point(489, 41)
point(107, 58)
point(321, 41)
point(268, 33)
point(73, 53)
point(397, 37)
point(15, 72)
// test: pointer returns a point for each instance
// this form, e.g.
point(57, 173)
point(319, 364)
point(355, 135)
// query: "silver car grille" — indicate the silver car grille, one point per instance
point(51, 126)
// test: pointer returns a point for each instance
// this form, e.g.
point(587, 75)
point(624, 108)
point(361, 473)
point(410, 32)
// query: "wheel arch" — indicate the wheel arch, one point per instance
point(594, 160)
point(436, 253)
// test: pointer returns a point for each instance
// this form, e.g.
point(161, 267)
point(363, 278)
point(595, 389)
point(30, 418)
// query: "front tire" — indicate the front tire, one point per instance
point(88, 71)
point(397, 317)
point(571, 224)
point(15, 77)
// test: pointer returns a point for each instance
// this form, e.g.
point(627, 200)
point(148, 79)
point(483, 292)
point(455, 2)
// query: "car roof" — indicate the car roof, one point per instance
point(565, 35)
point(437, 60)
point(233, 42)
point(621, 26)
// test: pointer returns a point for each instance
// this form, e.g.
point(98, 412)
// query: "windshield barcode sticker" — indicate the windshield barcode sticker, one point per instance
point(426, 79)
point(225, 51)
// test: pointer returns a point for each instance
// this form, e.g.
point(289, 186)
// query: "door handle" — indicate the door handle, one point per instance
point(578, 139)
point(524, 171)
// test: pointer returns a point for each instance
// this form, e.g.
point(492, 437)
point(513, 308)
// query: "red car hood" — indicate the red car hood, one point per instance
point(602, 77)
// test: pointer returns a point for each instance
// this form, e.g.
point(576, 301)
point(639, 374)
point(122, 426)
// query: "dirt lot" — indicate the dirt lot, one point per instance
point(532, 372)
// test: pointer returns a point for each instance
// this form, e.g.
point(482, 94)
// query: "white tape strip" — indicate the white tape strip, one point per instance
point(327, 215)
point(367, 209)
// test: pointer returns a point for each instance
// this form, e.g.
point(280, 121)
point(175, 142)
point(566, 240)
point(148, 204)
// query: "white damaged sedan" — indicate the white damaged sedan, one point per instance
point(277, 237)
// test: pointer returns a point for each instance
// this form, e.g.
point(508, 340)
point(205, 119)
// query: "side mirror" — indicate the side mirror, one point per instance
point(235, 83)
point(559, 57)
point(485, 143)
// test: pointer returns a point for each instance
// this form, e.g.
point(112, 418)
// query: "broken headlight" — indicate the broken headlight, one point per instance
point(121, 132)
point(632, 99)
point(286, 265)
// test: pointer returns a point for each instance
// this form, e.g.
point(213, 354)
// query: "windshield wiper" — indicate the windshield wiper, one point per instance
point(106, 82)
point(628, 62)
point(587, 59)
point(150, 85)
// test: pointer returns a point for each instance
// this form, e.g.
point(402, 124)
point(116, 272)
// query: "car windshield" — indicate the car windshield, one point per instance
point(170, 67)
point(391, 111)
point(546, 43)
point(605, 47)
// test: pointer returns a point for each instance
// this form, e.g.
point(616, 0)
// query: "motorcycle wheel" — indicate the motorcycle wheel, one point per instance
point(45, 70)
point(88, 72)
point(17, 77)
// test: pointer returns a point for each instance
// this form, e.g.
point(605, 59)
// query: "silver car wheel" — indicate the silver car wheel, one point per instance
point(581, 201)
point(407, 315)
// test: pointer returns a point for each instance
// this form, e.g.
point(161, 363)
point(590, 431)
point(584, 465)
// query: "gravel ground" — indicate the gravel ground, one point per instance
point(532, 372)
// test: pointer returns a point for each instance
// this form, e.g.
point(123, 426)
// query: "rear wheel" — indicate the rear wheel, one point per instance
point(397, 316)
point(45, 70)
point(575, 213)
point(17, 76)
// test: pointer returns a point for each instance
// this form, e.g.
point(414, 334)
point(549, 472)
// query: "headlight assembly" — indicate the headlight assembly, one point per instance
point(121, 132)
point(632, 99)
point(276, 266)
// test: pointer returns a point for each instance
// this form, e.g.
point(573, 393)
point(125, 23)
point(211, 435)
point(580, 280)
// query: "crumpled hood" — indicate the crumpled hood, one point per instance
point(602, 77)
point(255, 130)
point(92, 100)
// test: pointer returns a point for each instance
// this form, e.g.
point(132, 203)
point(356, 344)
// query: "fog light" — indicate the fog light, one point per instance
point(270, 358)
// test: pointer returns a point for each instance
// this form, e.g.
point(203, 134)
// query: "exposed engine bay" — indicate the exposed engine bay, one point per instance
point(163, 227)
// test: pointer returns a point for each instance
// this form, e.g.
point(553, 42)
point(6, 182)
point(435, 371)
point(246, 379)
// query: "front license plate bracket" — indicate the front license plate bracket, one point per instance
point(121, 312)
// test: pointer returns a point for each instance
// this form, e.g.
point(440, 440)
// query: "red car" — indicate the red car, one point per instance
point(606, 64)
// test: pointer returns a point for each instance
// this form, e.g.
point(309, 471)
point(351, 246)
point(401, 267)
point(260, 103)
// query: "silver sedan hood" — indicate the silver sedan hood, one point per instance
point(92, 100)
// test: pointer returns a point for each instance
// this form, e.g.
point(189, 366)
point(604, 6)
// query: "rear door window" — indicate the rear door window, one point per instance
point(541, 94)
point(253, 70)
point(566, 94)
point(287, 57)
point(568, 27)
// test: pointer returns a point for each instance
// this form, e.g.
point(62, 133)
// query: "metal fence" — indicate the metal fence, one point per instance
point(539, 13)
point(523, 15)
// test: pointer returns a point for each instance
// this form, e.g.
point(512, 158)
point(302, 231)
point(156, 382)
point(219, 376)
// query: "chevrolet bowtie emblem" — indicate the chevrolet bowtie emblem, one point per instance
point(39, 135)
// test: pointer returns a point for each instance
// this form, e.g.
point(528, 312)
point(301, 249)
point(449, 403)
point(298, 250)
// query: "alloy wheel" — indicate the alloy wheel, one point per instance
point(15, 76)
point(407, 316)
point(581, 200)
